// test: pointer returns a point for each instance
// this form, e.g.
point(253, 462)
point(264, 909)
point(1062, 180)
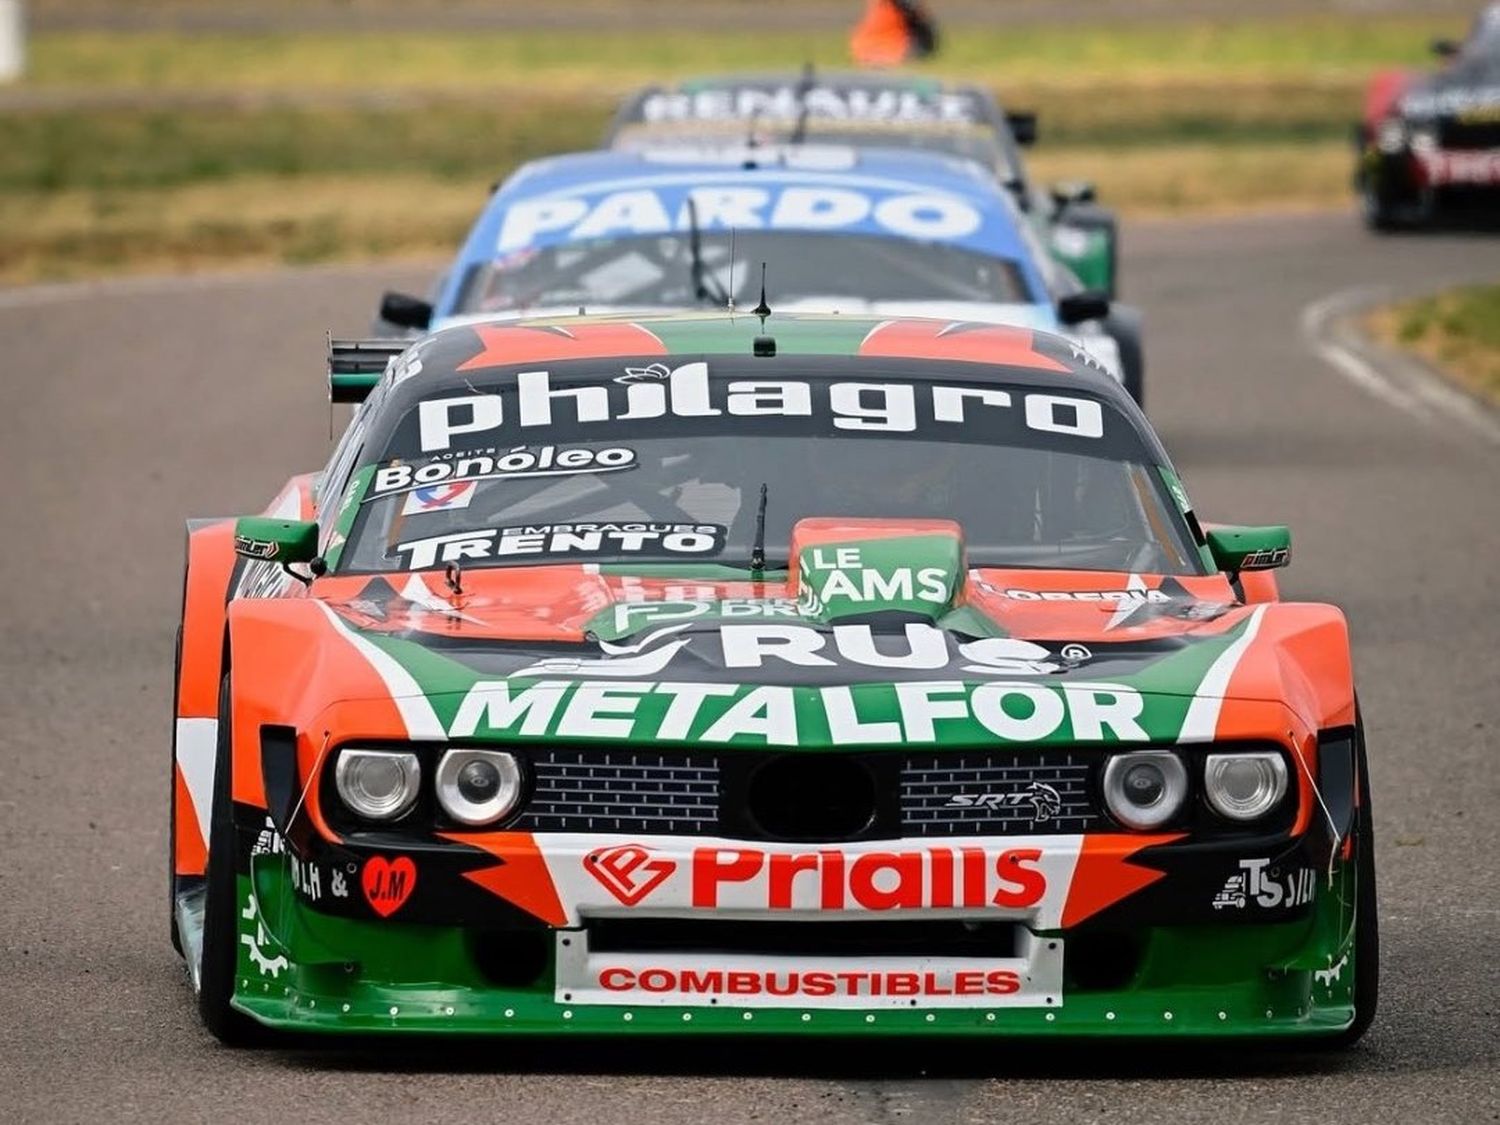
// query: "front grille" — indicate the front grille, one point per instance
point(622, 791)
point(930, 937)
point(957, 793)
point(1476, 135)
point(989, 793)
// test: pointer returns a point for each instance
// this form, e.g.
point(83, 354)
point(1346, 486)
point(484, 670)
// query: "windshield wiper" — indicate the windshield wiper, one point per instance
point(701, 276)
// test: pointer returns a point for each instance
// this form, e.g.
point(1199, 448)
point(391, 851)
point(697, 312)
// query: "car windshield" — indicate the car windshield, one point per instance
point(968, 142)
point(1484, 37)
point(642, 462)
point(644, 271)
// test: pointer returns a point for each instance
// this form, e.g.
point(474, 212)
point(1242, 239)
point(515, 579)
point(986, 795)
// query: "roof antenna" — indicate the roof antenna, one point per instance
point(731, 270)
point(763, 345)
point(804, 87)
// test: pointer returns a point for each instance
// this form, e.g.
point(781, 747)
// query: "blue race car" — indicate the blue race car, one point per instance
point(862, 231)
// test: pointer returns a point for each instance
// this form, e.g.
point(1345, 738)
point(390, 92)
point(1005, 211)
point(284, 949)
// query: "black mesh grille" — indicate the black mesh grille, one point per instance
point(623, 791)
point(987, 793)
point(1461, 135)
point(956, 793)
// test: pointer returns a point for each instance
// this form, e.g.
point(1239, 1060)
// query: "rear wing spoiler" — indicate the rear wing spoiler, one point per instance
point(355, 366)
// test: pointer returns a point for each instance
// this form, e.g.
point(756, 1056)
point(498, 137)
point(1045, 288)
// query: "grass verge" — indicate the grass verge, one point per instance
point(48, 235)
point(1457, 331)
point(1299, 47)
point(218, 149)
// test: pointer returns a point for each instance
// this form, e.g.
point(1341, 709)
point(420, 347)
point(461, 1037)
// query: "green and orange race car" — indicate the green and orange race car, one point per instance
point(760, 674)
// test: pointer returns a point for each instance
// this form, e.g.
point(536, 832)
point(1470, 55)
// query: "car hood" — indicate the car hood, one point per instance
point(1466, 93)
point(879, 633)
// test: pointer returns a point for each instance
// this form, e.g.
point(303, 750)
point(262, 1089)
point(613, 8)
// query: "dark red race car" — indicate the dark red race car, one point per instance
point(1429, 143)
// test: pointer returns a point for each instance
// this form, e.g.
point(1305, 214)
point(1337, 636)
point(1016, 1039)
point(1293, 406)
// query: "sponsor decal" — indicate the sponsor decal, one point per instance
point(1174, 487)
point(833, 574)
point(1259, 884)
point(652, 372)
point(491, 464)
point(826, 879)
point(1451, 102)
point(308, 880)
point(922, 712)
point(585, 540)
point(1045, 801)
point(438, 498)
point(260, 942)
point(748, 984)
point(268, 841)
point(1450, 167)
point(256, 548)
point(927, 215)
point(687, 392)
point(1330, 976)
point(388, 883)
point(628, 871)
point(915, 647)
point(1133, 594)
point(262, 579)
point(789, 102)
point(1265, 559)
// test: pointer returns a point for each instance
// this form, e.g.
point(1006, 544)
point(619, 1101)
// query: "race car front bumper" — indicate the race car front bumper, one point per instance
point(768, 957)
point(1431, 178)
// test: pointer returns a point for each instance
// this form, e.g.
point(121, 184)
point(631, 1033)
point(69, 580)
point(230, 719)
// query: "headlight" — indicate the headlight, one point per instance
point(478, 786)
point(1244, 785)
point(1071, 242)
point(1145, 788)
point(378, 784)
point(1424, 140)
point(1390, 135)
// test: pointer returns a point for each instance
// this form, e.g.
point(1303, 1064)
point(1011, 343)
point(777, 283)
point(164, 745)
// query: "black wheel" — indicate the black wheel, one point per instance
point(220, 908)
point(172, 803)
point(1379, 213)
point(1124, 327)
point(1366, 913)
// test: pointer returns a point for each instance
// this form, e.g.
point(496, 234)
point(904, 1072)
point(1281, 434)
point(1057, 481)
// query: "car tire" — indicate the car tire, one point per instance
point(221, 906)
point(1379, 214)
point(172, 802)
point(1124, 327)
point(1366, 912)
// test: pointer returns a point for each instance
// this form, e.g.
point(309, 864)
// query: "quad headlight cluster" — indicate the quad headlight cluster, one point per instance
point(1145, 789)
point(474, 787)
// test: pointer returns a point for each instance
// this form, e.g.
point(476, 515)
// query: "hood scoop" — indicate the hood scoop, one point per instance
point(852, 570)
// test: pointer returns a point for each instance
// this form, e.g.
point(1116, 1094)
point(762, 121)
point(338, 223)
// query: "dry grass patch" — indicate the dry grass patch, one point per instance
point(573, 59)
point(1457, 332)
point(83, 232)
point(76, 234)
point(1206, 178)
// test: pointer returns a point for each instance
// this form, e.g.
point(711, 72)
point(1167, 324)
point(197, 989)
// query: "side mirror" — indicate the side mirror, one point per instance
point(405, 310)
point(273, 540)
point(1075, 308)
point(1072, 191)
point(1446, 48)
point(1022, 127)
point(1249, 548)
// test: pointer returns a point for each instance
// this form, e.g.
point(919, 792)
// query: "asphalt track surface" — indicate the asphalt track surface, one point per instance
point(130, 406)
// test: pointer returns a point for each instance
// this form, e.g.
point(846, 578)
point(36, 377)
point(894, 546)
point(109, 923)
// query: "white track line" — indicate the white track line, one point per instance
point(1404, 385)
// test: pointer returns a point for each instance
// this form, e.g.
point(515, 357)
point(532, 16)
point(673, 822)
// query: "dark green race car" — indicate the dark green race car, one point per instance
point(889, 111)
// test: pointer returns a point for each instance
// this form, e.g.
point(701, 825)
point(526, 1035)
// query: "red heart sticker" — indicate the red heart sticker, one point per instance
point(388, 883)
